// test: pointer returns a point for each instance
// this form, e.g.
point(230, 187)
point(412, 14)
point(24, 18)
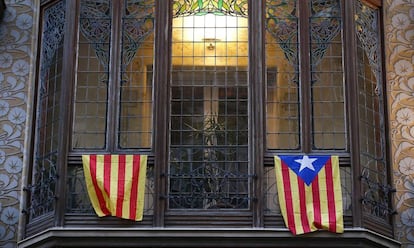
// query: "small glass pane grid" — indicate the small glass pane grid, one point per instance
point(208, 167)
point(91, 94)
point(327, 76)
point(135, 125)
point(376, 199)
point(47, 137)
point(282, 99)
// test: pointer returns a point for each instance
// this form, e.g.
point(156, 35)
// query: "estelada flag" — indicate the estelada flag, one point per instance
point(309, 190)
point(116, 184)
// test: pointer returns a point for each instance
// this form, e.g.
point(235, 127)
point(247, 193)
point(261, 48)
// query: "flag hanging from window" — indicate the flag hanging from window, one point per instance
point(309, 190)
point(116, 184)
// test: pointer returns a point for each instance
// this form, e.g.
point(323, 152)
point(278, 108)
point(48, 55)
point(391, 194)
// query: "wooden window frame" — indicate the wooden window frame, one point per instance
point(259, 156)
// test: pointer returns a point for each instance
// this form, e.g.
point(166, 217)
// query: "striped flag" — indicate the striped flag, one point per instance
point(116, 184)
point(309, 190)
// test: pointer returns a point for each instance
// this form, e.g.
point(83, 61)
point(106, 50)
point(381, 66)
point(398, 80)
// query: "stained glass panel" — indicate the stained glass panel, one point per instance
point(47, 137)
point(376, 199)
point(282, 65)
point(327, 76)
point(89, 126)
point(136, 74)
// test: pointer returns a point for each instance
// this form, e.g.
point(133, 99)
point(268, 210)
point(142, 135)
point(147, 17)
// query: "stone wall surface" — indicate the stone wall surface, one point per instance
point(16, 67)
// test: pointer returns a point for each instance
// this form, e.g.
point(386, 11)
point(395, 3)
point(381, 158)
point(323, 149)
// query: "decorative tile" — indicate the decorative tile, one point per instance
point(15, 55)
point(399, 43)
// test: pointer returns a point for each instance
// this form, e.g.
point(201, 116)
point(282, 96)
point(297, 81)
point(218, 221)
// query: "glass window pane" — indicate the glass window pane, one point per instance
point(282, 99)
point(135, 125)
point(48, 114)
point(209, 120)
point(371, 115)
point(91, 94)
point(327, 77)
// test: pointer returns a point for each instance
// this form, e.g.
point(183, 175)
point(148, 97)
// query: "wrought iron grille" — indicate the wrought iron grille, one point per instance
point(44, 180)
point(209, 139)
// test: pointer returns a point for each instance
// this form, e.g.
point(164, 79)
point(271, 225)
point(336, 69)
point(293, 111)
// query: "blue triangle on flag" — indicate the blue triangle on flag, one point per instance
point(306, 167)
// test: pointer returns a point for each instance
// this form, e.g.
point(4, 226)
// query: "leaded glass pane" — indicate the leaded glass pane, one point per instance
point(327, 76)
point(376, 199)
point(208, 166)
point(282, 102)
point(136, 74)
point(48, 117)
point(91, 95)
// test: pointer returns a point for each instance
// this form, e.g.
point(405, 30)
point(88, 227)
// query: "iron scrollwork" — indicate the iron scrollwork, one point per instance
point(376, 199)
point(42, 191)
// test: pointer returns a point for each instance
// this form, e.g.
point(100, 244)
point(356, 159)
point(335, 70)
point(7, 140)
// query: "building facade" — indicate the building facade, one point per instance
point(211, 108)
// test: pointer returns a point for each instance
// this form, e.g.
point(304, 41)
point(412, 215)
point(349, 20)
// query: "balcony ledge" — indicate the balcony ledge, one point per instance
point(203, 237)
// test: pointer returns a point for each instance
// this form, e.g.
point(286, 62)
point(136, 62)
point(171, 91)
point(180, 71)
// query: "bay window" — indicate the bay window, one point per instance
point(211, 91)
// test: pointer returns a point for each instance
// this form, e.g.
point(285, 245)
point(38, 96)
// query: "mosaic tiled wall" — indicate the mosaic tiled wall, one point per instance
point(15, 55)
point(15, 67)
point(399, 41)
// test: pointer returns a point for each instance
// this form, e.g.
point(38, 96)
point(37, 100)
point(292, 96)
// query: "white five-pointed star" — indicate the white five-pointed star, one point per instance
point(306, 162)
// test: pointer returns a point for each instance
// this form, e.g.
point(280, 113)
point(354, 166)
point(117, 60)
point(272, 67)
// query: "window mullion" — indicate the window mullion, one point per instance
point(161, 111)
point(305, 77)
point(256, 103)
point(352, 105)
point(67, 81)
point(114, 76)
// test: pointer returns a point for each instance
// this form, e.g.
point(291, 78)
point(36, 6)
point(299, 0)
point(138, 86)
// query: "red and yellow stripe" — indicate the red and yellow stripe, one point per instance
point(116, 184)
point(309, 208)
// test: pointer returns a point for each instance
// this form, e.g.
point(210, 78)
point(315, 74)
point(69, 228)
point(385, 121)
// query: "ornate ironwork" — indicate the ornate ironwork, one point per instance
point(42, 191)
point(324, 27)
point(208, 175)
point(366, 21)
point(52, 37)
point(209, 183)
point(377, 196)
point(44, 179)
point(202, 7)
point(209, 139)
